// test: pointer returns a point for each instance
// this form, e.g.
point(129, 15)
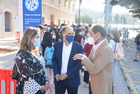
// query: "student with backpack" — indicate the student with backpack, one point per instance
point(137, 41)
point(116, 39)
point(125, 37)
point(48, 46)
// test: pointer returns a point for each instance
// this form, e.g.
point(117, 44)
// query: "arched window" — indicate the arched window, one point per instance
point(8, 19)
point(52, 20)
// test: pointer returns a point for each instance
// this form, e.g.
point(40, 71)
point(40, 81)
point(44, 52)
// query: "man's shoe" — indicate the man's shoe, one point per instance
point(135, 60)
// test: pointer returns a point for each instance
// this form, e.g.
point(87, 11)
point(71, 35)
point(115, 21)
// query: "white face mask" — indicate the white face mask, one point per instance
point(91, 40)
point(80, 33)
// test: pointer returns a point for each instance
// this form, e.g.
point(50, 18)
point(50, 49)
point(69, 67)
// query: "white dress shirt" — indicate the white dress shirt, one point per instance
point(65, 57)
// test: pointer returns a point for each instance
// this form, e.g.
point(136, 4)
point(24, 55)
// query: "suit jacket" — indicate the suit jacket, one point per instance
point(101, 72)
point(73, 65)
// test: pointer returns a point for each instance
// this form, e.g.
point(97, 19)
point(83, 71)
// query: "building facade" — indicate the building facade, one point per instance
point(53, 12)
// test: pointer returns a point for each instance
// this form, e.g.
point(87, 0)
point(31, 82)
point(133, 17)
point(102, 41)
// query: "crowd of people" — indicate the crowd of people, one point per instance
point(52, 56)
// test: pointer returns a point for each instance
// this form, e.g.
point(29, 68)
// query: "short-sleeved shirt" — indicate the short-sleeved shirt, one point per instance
point(138, 36)
point(125, 34)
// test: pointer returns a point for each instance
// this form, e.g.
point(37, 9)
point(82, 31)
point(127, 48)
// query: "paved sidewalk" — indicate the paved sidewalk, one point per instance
point(7, 62)
point(9, 43)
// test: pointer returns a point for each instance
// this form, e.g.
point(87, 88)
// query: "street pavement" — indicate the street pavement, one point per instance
point(9, 43)
point(7, 62)
point(133, 68)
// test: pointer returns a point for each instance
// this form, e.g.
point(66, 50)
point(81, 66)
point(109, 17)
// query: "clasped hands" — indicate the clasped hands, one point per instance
point(61, 77)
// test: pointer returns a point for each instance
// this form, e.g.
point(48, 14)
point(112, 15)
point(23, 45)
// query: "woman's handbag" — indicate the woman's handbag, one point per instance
point(15, 73)
point(31, 87)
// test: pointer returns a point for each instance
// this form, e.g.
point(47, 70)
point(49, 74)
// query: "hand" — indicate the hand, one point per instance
point(46, 84)
point(78, 56)
point(63, 76)
point(57, 77)
point(43, 88)
point(49, 87)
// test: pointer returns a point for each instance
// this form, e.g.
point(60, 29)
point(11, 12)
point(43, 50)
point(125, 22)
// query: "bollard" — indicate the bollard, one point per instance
point(17, 35)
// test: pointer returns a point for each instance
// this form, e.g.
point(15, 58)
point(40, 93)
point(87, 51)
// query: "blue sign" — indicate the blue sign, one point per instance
point(32, 13)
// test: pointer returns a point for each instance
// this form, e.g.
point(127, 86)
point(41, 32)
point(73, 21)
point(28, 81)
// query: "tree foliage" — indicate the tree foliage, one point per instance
point(123, 20)
point(132, 5)
point(76, 18)
point(84, 19)
point(119, 19)
point(116, 19)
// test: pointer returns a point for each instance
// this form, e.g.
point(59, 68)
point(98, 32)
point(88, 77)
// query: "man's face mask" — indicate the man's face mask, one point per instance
point(95, 39)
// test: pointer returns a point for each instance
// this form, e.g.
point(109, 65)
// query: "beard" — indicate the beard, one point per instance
point(96, 42)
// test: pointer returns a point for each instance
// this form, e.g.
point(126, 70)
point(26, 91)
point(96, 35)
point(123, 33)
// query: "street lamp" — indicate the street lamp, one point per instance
point(80, 1)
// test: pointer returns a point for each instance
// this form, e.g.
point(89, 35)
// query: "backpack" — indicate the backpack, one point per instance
point(118, 54)
point(136, 40)
point(48, 55)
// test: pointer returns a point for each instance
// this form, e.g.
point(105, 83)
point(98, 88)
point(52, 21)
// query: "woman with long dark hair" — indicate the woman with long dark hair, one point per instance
point(78, 37)
point(55, 36)
point(48, 52)
point(116, 39)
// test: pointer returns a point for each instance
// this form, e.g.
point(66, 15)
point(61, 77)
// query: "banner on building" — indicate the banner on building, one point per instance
point(30, 14)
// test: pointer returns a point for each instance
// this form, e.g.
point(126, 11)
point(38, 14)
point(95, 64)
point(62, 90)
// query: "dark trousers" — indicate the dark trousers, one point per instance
point(86, 77)
point(90, 92)
point(62, 86)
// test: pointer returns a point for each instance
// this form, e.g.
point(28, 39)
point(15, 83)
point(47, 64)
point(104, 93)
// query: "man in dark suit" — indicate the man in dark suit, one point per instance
point(66, 70)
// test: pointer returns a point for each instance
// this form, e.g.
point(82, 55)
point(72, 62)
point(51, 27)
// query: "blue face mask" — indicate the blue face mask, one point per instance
point(44, 31)
point(37, 42)
point(69, 38)
point(88, 34)
point(63, 38)
point(54, 36)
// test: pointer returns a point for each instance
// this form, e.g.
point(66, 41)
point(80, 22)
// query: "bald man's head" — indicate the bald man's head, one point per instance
point(66, 29)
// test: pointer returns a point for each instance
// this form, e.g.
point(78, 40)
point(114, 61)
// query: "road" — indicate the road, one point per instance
point(132, 67)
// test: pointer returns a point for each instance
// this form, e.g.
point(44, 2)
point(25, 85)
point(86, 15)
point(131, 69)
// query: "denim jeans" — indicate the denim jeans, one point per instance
point(114, 68)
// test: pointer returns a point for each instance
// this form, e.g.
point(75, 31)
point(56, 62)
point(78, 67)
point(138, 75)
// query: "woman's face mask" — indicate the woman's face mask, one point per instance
point(88, 34)
point(44, 31)
point(37, 42)
point(54, 36)
point(80, 33)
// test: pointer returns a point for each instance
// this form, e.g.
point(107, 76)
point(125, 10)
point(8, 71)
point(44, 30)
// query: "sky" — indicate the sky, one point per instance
point(98, 5)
